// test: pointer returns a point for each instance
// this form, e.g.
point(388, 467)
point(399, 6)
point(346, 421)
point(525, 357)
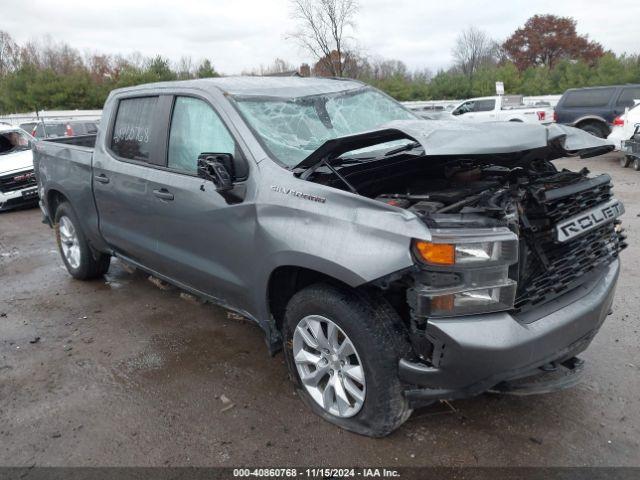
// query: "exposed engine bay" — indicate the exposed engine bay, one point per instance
point(530, 197)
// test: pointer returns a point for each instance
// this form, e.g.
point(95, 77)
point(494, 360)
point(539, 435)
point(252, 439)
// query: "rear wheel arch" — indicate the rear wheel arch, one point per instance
point(54, 199)
point(590, 124)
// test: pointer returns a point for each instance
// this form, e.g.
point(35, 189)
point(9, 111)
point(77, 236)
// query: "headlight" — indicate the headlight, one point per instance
point(466, 253)
point(466, 271)
point(482, 300)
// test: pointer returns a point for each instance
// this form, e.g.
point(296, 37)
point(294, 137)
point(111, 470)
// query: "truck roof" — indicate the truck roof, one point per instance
point(285, 87)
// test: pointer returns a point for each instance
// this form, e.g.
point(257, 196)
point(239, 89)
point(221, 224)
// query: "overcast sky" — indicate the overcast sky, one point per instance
point(243, 34)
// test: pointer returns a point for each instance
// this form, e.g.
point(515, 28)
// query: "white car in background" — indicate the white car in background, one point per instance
point(501, 108)
point(17, 179)
point(625, 134)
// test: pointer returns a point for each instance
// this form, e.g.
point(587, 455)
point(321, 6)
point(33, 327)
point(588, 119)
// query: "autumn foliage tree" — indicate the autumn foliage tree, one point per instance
point(545, 40)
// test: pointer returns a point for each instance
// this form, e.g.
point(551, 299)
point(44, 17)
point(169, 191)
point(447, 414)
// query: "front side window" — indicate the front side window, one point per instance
point(195, 128)
point(133, 134)
point(292, 128)
point(466, 107)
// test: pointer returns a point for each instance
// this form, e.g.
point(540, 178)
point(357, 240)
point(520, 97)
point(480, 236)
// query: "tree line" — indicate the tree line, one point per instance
point(544, 56)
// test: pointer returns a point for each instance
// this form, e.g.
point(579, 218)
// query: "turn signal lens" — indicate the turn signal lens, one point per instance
point(436, 253)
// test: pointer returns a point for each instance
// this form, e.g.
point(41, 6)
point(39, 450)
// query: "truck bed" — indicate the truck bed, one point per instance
point(65, 165)
point(88, 141)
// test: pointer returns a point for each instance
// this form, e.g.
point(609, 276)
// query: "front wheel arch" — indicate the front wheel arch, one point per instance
point(287, 280)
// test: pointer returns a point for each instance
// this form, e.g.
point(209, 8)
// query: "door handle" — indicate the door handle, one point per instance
point(102, 178)
point(164, 194)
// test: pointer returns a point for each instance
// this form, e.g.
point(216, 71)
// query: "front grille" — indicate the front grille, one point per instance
point(17, 181)
point(550, 269)
point(558, 209)
point(568, 265)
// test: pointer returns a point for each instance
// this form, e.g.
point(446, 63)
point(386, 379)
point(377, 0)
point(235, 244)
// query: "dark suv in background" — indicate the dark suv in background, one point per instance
point(595, 109)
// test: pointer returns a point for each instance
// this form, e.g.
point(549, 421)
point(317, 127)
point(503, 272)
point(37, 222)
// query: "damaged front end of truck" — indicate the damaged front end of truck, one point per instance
point(522, 260)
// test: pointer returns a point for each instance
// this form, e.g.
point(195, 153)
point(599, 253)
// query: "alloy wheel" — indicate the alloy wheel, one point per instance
point(69, 242)
point(329, 366)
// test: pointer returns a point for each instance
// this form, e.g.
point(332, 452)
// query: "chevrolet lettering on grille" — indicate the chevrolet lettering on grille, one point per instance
point(588, 220)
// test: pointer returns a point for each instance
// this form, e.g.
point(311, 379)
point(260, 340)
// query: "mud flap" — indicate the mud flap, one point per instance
point(551, 377)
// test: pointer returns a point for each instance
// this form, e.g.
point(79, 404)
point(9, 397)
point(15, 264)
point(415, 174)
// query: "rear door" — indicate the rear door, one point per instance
point(485, 110)
point(122, 164)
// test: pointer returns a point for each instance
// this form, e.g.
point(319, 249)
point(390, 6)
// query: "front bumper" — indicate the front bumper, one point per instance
point(475, 353)
point(18, 198)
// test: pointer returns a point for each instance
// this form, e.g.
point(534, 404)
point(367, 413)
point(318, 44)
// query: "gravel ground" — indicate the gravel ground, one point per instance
point(119, 372)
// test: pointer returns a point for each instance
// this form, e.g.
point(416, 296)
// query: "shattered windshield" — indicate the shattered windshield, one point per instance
point(14, 141)
point(292, 129)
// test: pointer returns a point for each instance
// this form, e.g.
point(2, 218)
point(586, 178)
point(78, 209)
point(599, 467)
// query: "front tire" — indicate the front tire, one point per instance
point(342, 350)
point(625, 161)
point(78, 257)
point(636, 164)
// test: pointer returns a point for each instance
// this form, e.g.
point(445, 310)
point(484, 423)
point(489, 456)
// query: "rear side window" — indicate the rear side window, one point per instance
point(598, 97)
point(628, 96)
point(132, 135)
point(485, 105)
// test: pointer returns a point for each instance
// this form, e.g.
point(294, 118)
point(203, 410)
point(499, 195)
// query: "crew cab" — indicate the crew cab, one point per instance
point(395, 260)
point(17, 178)
point(501, 108)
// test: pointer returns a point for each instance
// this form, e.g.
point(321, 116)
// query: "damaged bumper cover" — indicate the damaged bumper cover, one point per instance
point(473, 354)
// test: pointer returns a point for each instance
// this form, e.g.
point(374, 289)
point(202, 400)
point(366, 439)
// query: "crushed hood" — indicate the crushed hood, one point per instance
point(439, 138)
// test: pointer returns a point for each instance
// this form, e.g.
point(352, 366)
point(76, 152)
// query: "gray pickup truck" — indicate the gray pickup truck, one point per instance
point(396, 260)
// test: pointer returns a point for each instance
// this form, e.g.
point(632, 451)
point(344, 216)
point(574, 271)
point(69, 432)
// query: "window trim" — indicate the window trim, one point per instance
point(238, 148)
point(613, 95)
point(163, 120)
point(154, 151)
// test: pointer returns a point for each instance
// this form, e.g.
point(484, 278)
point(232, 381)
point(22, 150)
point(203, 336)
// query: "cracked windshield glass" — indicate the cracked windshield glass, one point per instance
point(292, 129)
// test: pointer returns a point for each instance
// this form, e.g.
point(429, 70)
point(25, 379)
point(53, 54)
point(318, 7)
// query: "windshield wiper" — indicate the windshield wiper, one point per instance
point(403, 148)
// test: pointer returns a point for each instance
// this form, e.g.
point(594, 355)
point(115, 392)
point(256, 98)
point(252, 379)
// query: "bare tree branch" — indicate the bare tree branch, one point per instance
point(473, 49)
point(322, 29)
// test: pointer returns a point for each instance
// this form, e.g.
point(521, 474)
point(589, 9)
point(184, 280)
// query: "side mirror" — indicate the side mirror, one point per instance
point(213, 166)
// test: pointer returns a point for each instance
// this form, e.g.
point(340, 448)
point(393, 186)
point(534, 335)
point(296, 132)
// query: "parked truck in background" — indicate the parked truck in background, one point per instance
point(395, 260)
point(501, 108)
point(17, 178)
point(595, 109)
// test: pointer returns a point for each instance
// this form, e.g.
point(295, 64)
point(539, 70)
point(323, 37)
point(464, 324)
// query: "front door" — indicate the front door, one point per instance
point(201, 239)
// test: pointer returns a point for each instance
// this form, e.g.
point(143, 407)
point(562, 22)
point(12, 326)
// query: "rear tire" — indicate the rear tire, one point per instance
point(378, 338)
point(81, 261)
point(625, 161)
point(636, 164)
point(595, 129)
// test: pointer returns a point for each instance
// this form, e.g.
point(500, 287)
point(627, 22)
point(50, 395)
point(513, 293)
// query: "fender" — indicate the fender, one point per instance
point(596, 118)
